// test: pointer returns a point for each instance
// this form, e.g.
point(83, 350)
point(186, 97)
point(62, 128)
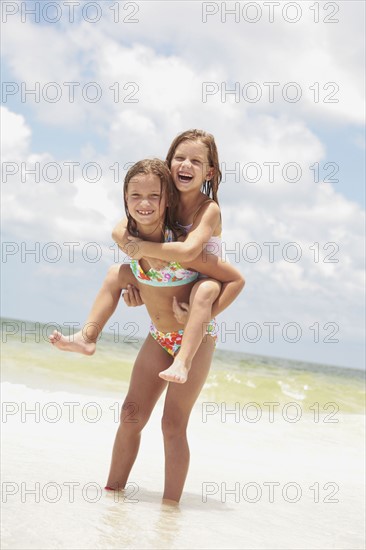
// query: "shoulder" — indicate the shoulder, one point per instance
point(207, 207)
point(208, 213)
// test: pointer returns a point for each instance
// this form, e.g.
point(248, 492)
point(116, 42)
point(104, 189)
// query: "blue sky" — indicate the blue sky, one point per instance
point(168, 55)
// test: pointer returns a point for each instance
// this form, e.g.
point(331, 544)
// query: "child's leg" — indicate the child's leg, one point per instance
point(179, 402)
point(104, 306)
point(143, 393)
point(202, 296)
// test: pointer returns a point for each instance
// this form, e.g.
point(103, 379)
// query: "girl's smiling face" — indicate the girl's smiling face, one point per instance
point(144, 201)
point(190, 166)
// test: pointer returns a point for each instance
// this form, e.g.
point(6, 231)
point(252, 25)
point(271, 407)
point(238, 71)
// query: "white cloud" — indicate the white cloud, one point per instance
point(15, 135)
point(170, 83)
point(47, 210)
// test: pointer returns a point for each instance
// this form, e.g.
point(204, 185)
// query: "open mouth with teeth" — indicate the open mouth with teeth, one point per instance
point(145, 212)
point(184, 177)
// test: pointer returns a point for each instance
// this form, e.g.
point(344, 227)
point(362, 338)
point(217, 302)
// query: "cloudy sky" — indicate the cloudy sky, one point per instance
point(89, 87)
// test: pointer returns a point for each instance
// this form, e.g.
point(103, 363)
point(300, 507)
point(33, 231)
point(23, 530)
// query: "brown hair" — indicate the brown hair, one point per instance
point(210, 188)
point(168, 190)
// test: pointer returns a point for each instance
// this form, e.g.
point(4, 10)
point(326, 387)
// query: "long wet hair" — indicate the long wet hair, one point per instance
point(209, 187)
point(167, 190)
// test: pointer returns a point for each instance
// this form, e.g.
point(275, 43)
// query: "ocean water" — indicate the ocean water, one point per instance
point(277, 454)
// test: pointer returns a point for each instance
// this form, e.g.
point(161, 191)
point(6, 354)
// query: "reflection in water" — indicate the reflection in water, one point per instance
point(167, 526)
point(138, 521)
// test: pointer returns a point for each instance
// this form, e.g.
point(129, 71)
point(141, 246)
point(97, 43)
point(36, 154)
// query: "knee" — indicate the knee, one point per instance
point(173, 426)
point(207, 291)
point(112, 275)
point(131, 418)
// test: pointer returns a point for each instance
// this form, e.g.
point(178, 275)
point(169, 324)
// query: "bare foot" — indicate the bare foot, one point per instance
point(177, 372)
point(170, 502)
point(75, 342)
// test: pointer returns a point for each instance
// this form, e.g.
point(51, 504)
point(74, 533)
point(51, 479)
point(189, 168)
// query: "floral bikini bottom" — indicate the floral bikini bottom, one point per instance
point(171, 341)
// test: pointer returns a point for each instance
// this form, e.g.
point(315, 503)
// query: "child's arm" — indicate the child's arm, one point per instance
point(232, 280)
point(120, 235)
point(187, 250)
point(211, 265)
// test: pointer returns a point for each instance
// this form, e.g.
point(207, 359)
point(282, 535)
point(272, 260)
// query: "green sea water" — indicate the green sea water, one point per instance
point(42, 453)
point(234, 377)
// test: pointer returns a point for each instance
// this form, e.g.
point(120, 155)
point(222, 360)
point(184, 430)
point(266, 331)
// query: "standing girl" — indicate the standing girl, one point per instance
point(148, 189)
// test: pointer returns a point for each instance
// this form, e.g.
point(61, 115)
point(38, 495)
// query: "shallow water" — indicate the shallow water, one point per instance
point(277, 456)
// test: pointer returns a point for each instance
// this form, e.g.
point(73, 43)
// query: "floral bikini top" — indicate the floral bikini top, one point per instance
point(171, 275)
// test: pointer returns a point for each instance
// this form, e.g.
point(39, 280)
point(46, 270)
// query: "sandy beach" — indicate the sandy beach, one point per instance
point(248, 483)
